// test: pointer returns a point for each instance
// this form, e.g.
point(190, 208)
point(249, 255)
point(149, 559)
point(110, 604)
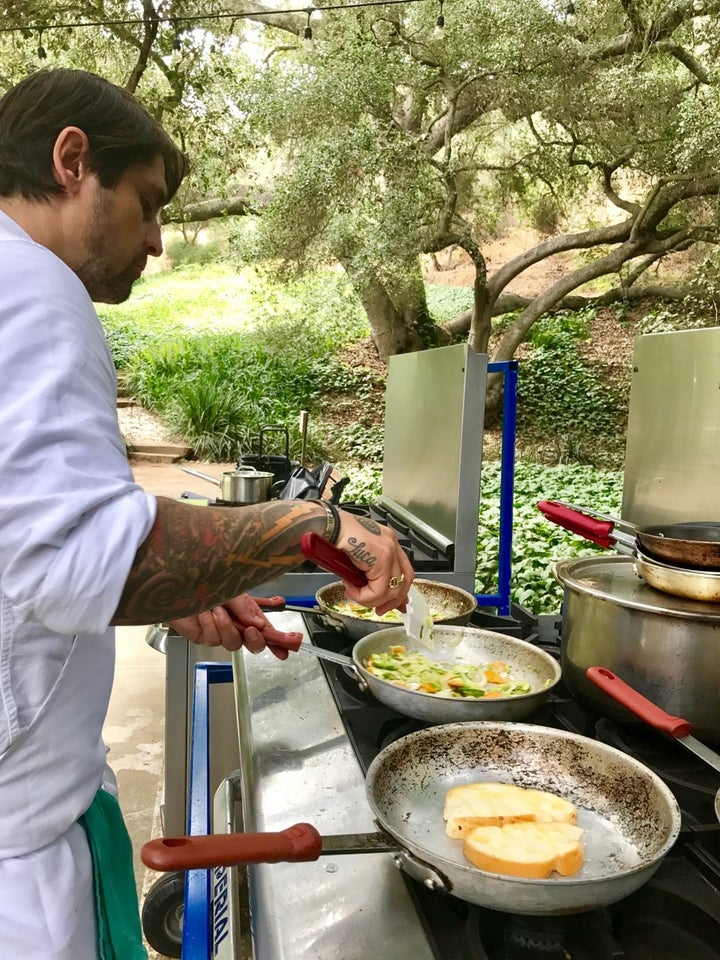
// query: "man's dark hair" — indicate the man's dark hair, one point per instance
point(120, 132)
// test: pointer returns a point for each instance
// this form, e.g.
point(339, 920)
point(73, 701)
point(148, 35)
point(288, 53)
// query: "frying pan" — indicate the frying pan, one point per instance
point(692, 583)
point(655, 716)
point(630, 818)
point(455, 644)
point(692, 544)
point(450, 644)
point(457, 605)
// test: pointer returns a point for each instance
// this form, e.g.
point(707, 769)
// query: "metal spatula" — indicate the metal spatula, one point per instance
point(418, 619)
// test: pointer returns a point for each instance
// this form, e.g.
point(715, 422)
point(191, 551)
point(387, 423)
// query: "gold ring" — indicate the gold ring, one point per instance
point(395, 582)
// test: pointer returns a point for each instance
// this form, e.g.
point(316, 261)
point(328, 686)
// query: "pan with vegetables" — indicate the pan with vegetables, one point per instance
point(469, 674)
point(447, 604)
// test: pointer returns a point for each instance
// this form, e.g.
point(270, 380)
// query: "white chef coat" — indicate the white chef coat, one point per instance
point(71, 521)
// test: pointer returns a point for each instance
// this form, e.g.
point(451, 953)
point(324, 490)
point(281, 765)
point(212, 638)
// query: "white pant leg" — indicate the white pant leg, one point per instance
point(46, 902)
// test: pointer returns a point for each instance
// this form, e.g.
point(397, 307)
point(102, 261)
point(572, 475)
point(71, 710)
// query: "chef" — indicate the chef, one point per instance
point(84, 172)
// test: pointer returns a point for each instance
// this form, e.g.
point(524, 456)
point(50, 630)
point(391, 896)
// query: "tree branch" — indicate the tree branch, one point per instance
point(211, 209)
point(150, 32)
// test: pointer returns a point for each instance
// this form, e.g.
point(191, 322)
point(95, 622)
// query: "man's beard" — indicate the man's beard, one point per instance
point(101, 280)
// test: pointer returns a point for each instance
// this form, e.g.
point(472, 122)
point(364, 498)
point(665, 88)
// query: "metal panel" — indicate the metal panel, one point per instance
point(672, 458)
point(435, 414)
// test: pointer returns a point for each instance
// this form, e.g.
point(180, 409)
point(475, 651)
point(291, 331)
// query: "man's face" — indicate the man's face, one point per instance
point(120, 230)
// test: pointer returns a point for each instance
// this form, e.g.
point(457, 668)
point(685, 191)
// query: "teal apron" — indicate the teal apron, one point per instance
point(119, 932)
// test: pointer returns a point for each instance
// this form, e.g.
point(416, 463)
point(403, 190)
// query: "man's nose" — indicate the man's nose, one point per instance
point(153, 240)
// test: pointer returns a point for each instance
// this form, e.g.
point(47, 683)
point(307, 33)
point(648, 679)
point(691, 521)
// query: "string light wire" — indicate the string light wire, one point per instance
point(199, 18)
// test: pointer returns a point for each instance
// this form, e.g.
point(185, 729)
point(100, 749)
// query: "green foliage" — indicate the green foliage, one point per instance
point(566, 404)
point(211, 415)
point(359, 444)
point(445, 302)
point(365, 484)
point(182, 253)
point(558, 329)
point(217, 387)
point(537, 543)
point(701, 308)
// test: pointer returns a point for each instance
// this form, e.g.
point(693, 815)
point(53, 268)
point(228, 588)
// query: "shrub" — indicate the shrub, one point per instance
point(567, 406)
point(537, 543)
point(445, 303)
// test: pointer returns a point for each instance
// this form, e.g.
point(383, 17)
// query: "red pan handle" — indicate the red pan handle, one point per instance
point(298, 843)
point(648, 711)
point(330, 558)
point(289, 642)
point(598, 531)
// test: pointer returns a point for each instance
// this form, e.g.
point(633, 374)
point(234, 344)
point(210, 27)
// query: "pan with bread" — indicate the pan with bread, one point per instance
point(523, 818)
point(511, 816)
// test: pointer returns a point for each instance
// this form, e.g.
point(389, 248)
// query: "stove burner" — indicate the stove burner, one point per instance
point(535, 937)
point(659, 925)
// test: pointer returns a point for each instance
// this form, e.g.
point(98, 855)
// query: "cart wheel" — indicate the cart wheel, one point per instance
point(162, 914)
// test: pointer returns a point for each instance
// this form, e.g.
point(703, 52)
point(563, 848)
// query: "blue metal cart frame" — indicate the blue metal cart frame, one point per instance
point(197, 918)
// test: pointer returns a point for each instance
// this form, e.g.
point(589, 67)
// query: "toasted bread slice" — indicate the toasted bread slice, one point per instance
point(526, 849)
point(490, 804)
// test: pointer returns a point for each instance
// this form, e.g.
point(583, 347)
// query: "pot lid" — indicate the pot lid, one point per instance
point(614, 579)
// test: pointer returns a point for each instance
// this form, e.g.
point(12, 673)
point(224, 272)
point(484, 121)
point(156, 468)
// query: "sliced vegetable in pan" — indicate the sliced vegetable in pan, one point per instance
point(451, 680)
point(350, 609)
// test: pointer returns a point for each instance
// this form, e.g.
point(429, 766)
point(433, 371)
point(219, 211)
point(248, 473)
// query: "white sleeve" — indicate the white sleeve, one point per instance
point(71, 516)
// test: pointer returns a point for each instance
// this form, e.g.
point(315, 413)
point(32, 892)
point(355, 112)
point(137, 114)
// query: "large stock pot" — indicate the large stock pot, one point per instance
point(666, 647)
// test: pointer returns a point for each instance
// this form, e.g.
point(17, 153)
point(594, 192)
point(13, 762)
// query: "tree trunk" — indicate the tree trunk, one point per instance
point(398, 316)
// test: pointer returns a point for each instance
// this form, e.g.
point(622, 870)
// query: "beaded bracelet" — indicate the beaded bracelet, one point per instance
point(332, 530)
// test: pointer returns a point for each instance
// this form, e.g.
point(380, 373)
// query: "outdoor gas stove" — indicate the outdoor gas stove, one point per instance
point(307, 735)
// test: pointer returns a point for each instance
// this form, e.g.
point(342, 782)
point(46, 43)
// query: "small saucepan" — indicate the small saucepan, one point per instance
point(448, 605)
point(239, 487)
point(676, 727)
point(691, 544)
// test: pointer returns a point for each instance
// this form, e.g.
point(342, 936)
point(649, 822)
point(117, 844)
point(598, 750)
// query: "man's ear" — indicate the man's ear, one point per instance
point(70, 158)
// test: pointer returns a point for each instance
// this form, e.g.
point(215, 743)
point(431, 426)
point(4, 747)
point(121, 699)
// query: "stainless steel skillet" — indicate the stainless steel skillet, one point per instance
point(630, 818)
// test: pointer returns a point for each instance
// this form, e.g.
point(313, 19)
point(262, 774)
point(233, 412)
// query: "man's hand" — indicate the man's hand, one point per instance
point(238, 623)
point(374, 548)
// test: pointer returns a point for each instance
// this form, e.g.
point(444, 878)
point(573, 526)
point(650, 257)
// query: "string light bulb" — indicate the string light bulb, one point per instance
point(308, 41)
point(439, 31)
point(570, 17)
point(177, 45)
point(41, 51)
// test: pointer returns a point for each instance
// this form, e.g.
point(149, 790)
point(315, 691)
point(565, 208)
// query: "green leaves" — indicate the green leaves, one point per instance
point(537, 543)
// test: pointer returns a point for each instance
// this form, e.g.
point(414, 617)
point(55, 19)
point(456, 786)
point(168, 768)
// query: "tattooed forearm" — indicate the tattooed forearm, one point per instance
point(196, 558)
